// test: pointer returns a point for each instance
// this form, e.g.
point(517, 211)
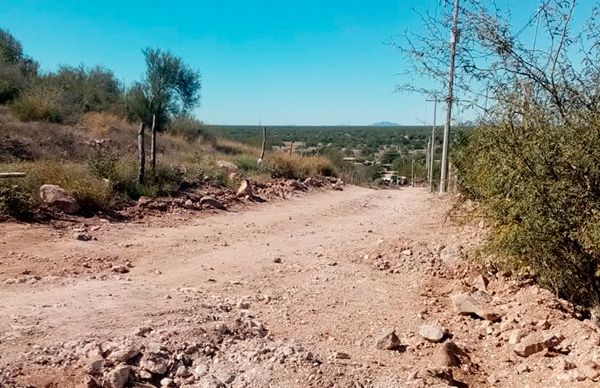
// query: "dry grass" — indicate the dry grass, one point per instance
point(102, 123)
point(284, 165)
point(91, 192)
point(231, 147)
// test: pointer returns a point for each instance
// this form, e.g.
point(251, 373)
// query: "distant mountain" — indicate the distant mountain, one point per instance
point(385, 124)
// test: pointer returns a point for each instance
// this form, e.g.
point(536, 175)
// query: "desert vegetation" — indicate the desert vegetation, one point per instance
point(532, 160)
point(78, 128)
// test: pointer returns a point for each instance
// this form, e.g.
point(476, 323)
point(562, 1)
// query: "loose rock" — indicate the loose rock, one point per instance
point(480, 282)
point(447, 355)
point(119, 268)
point(118, 377)
point(536, 342)
point(245, 189)
point(467, 305)
point(82, 237)
point(211, 202)
point(432, 333)
point(388, 340)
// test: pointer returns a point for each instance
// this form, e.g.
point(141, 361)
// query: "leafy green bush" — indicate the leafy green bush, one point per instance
point(539, 184)
point(12, 82)
point(15, 202)
point(79, 90)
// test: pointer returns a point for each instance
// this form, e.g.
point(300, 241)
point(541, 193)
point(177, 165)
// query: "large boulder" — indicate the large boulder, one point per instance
point(58, 198)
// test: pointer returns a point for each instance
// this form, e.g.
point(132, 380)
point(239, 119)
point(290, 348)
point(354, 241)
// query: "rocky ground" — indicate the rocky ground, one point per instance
point(357, 288)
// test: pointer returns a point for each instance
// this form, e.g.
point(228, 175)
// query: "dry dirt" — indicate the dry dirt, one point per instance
point(290, 293)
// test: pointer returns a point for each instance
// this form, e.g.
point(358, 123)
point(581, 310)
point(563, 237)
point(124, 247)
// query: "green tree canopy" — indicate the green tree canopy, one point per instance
point(16, 69)
point(86, 90)
point(169, 88)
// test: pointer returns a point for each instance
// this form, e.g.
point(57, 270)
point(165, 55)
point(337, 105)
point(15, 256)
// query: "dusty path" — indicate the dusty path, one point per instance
point(321, 295)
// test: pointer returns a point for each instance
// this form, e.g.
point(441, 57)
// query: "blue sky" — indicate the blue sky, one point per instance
point(275, 62)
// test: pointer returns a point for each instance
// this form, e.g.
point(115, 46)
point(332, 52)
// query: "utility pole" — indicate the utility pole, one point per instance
point(454, 36)
point(432, 149)
point(427, 158)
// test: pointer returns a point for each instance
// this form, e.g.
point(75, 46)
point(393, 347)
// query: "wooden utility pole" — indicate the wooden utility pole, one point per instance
point(141, 153)
point(291, 147)
point(412, 173)
point(432, 150)
point(454, 36)
point(153, 145)
point(427, 159)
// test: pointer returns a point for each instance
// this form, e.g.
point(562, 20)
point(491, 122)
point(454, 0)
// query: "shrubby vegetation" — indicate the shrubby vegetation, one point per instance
point(68, 93)
point(394, 145)
point(540, 186)
point(95, 160)
point(284, 165)
point(533, 162)
point(15, 202)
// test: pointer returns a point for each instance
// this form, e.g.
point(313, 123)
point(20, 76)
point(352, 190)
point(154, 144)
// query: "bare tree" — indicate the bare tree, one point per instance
point(494, 59)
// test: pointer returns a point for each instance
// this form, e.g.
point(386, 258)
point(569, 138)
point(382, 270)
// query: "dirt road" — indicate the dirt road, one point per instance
point(321, 294)
point(292, 293)
point(297, 265)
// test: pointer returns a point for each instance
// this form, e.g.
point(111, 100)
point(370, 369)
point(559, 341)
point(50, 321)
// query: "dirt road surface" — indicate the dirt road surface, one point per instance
point(321, 296)
point(283, 294)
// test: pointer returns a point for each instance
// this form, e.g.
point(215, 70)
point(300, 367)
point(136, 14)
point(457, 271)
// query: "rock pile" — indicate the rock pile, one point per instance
point(404, 256)
point(199, 352)
point(534, 334)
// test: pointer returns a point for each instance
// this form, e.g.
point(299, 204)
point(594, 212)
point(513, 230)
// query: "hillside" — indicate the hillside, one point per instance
point(95, 160)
